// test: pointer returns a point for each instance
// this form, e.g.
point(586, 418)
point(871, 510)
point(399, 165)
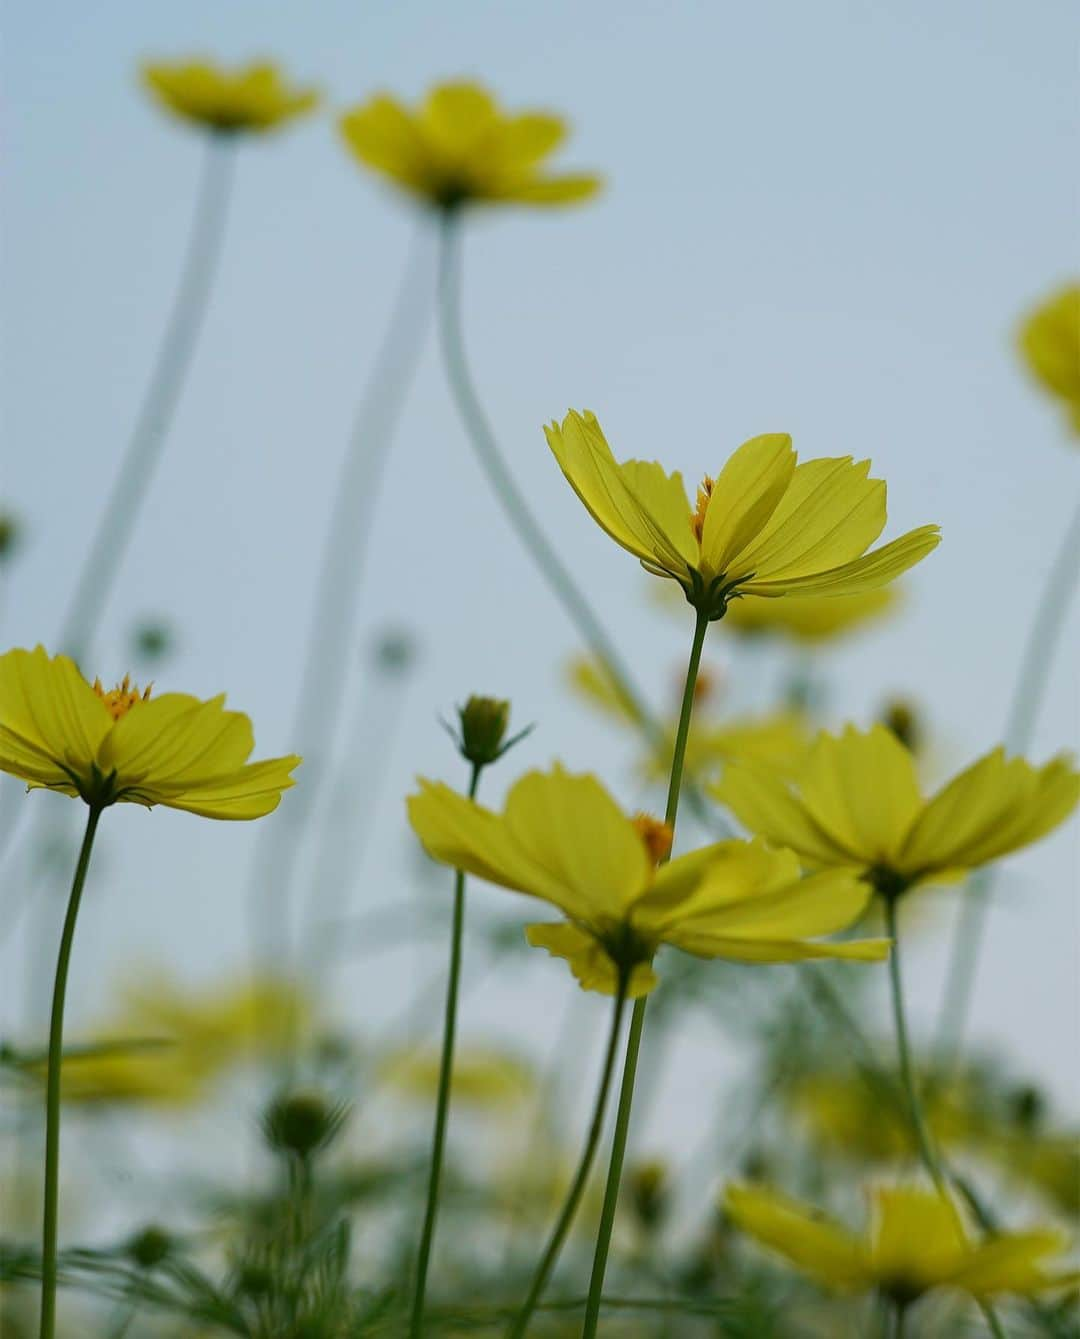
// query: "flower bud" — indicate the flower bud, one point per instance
point(902, 719)
point(300, 1123)
point(149, 1247)
point(10, 535)
point(649, 1196)
point(483, 727)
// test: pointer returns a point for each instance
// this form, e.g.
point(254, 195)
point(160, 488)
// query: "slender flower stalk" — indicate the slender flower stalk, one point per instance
point(171, 367)
point(577, 1187)
point(1038, 657)
point(491, 460)
point(442, 1101)
point(325, 674)
point(52, 1093)
point(637, 1021)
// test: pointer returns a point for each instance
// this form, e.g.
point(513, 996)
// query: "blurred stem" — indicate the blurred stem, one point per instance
point(491, 460)
point(117, 523)
point(581, 1176)
point(442, 1102)
point(1028, 694)
point(52, 1092)
point(329, 639)
point(637, 1021)
point(899, 1325)
point(903, 1046)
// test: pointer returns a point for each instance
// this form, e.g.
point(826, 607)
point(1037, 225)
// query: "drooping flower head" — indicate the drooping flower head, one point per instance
point(253, 99)
point(917, 1241)
point(1050, 344)
point(458, 147)
point(59, 732)
point(765, 526)
point(856, 804)
point(563, 839)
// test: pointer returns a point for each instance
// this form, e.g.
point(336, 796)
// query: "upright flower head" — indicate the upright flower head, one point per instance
point(59, 732)
point(563, 839)
point(1050, 343)
point(459, 147)
point(916, 1242)
point(856, 804)
point(764, 526)
point(253, 99)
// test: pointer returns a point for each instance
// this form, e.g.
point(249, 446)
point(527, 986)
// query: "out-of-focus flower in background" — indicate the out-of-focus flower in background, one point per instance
point(563, 839)
point(917, 1241)
point(484, 1078)
point(764, 526)
point(811, 619)
point(58, 732)
point(458, 147)
point(1050, 344)
point(252, 99)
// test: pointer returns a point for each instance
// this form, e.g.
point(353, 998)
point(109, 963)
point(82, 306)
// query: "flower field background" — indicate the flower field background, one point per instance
point(330, 340)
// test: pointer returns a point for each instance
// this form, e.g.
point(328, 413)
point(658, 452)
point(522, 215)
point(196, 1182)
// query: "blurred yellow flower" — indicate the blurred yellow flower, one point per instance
point(779, 739)
point(856, 804)
point(764, 526)
point(254, 98)
point(843, 1112)
point(483, 1077)
point(1050, 343)
point(917, 1242)
point(162, 1074)
point(811, 618)
point(459, 147)
point(61, 733)
point(563, 839)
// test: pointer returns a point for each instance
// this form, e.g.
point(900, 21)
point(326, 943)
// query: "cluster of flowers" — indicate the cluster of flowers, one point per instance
point(833, 824)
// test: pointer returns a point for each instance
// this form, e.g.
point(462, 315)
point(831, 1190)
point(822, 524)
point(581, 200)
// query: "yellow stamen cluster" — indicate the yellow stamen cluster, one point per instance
point(656, 834)
point(119, 700)
point(704, 493)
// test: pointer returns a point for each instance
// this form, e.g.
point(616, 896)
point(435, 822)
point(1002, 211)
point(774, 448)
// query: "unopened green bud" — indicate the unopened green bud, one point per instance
point(483, 727)
point(649, 1197)
point(901, 718)
point(153, 640)
point(10, 535)
point(149, 1247)
point(1027, 1107)
point(300, 1123)
point(395, 650)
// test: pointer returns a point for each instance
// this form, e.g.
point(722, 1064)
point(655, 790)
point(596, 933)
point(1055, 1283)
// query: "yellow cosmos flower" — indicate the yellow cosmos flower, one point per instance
point(61, 733)
point(255, 98)
point(811, 619)
point(764, 526)
point(483, 1077)
point(856, 804)
point(563, 839)
point(458, 147)
point(917, 1242)
point(1050, 343)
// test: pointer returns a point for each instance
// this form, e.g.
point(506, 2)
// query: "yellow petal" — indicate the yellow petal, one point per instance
point(456, 115)
point(248, 792)
point(587, 959)
point(592, 471)
point(569, 826)
point(566, 189)
point(831, 514)
point(917, 1237)
point(1014, 1262)
point(712, 878)
point(869, 572)
point(383, 134)
point(175, 741)
point(523, 140)
point(862, 790)
point(746, 493)
point(810, 1241)
point(737, 948)
point(51, 720)
point(803, 909)
point(763, 803)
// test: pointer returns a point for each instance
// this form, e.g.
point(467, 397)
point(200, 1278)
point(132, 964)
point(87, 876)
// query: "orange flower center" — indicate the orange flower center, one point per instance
point(704, 493)
point(656, 835)
point(119, 700)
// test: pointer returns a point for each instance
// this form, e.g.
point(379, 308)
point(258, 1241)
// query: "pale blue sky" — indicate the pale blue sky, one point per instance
point(823, 219)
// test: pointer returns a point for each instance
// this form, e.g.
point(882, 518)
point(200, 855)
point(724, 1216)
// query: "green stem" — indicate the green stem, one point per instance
point(52, 1092)
point(1038, 657)
point(117, 523)
point(529, 531)
point(442, 1103)
point(581, 1176)
point(637, 1021)
point(899, 1325)
point(327, 662)
point(903, 1046)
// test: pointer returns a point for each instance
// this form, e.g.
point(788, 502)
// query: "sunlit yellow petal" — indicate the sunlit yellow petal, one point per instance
point(51, 721)
point(763, 802)
point(867, 573)
point(747, 492)
point(1015, 1263)
point(810, 1241)
point(916, 1235)
point(590, 964)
